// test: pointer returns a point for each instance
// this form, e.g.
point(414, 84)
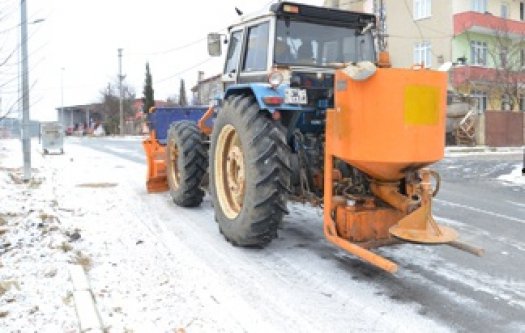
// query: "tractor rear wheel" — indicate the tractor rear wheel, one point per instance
point(249, 173)
point(186, 163)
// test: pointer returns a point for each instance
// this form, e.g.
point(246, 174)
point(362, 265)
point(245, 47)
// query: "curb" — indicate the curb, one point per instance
point(85, 306)
point(483, 149)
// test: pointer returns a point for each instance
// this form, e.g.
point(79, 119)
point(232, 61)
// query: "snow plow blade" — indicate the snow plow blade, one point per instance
point(156, 180)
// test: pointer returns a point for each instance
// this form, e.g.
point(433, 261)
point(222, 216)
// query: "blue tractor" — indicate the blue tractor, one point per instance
point(267, 140)
point(306, 100)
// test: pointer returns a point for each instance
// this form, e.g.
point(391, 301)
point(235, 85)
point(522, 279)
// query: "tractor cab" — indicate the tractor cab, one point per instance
point(294, 50)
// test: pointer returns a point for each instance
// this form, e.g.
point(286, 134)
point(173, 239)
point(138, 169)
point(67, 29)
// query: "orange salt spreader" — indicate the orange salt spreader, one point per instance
point(391, 127)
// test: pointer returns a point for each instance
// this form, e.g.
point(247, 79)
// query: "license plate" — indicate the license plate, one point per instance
point(295, 96)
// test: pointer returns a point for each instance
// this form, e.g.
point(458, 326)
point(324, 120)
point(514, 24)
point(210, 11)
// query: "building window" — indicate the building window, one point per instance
point(478, 53)
point(423, 54)
point(479, 5)
point(505, 10)
point(422, 9)
point(481, 100)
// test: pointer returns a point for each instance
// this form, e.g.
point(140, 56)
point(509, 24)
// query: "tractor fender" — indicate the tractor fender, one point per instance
point(261, 90)
point(257, 90)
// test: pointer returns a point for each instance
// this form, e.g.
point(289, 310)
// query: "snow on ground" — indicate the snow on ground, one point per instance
point(34, 250)
point(154, 267)
point(78, 210)
point(515, 177)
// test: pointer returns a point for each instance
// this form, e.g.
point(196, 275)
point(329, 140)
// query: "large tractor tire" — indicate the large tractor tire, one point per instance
point(249, 173)
point(186, 163)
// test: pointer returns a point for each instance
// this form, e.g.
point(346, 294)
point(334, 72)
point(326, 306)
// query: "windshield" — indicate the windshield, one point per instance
point(313, 44)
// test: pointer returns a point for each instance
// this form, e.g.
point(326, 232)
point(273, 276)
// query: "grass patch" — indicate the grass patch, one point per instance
point(68, 299)
point(34, 182)
point(82, 260)
point(65, 246)
point(45, 217)
point(8, 284)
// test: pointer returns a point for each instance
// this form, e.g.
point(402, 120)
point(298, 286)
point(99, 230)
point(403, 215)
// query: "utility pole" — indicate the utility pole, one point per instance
point(26, 138)
point(61, 115)
point(382, 31)
point(121, 93)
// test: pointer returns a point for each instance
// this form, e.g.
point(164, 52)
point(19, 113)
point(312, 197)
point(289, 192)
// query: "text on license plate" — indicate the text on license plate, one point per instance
point(295, 96)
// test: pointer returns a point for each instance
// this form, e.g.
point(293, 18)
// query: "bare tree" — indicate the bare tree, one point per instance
point(503, 81)
point(507, 55)
point(172, 100)
point(110, 105)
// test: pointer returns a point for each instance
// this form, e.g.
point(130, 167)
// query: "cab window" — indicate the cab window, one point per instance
point(257, 48)
point(234, 50)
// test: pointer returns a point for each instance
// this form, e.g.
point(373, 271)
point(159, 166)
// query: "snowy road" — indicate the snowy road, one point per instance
point(184, 274)
point(442, 284)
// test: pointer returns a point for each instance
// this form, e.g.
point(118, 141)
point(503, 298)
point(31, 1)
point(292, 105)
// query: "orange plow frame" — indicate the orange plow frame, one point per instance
point(415, 227)
point(330, 230)
point(156, 178)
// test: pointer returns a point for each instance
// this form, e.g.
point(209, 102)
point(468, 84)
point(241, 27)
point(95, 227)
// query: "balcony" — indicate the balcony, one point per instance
point(475, 74)
point(487, 24)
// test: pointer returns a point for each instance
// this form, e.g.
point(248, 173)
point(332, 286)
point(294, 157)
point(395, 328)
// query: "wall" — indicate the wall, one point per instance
point(405, 32)
point(504, 128)
point(493, 7)
point(461, 46)
point(208, 89)
point(353, 5)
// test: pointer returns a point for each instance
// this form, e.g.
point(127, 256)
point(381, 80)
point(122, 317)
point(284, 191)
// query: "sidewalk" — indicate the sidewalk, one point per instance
point(458, 150)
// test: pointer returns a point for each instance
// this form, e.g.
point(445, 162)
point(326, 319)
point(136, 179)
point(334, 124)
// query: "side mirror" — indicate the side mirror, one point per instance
point(214, 44)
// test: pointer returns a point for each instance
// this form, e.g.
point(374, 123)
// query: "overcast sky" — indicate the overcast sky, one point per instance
point(82, 36)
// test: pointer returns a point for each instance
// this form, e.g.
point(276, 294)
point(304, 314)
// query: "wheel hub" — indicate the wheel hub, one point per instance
point(173, 170)
point(230, 172)
point(235, 173)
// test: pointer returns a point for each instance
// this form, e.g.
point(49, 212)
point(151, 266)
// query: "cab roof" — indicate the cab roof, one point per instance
point(317, 14)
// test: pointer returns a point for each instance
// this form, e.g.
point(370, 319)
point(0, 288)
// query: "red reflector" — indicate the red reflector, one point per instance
point(273, 100)
point(291, 9)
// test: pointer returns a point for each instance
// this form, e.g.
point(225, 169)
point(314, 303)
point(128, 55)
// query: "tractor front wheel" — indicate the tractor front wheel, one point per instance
point(249, 173)
point(186, 163)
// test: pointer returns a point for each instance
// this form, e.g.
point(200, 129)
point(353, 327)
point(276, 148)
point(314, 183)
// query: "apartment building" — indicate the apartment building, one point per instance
point(484, 39)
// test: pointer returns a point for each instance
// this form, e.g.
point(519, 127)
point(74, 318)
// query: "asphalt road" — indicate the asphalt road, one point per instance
point(468, 293)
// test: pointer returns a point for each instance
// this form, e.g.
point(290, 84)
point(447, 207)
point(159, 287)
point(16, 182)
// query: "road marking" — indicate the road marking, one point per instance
point(479, 233)
point(516, 203)
point(510, 218)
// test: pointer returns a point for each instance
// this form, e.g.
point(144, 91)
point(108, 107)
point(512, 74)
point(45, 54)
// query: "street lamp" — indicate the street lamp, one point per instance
point(26, 137)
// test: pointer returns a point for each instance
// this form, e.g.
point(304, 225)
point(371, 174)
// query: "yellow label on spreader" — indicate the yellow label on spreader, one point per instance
point(421, 105)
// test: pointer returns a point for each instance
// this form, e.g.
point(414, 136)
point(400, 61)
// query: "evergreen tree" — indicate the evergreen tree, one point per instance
point(182, 94)
point(148, 99)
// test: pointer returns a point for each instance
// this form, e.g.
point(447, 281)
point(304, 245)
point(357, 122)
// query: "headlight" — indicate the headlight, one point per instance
point(275, 79)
